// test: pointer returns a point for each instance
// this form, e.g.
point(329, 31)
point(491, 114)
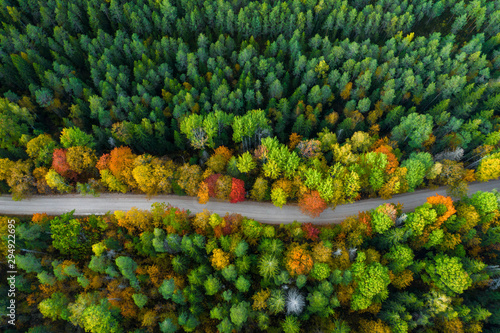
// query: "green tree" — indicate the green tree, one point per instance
point(381, 222)
point(400, 256)
point(40, 149)
point(418, 165)
point(447, 274)
point(251, 128)
point(14, 122)
point(420, 218)
point(291, 325)
point(140, 300)
point(416, 128)
point(55, 307)
point(99, 318)
point(246, 163)
point(127, 267)
point(318, 304)
point(199, 130)
point(29, 263)
point(320, 271)
point(276, 301)
point(372, 280)
point(484, 202)
point(73, 136)
point(242, 284)
point(268, 265)
point(212, 285)
point(239, 313)
point(68, 235)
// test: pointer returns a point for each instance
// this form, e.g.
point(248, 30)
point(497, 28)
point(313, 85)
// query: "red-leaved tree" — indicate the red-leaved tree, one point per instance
point(310, 231)
point(211, 182)
point(237, 191)
point(61, 166)
point(103, 162)
point(311, 204)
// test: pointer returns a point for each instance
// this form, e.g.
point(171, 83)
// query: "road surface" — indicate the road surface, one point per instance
point(260, 211)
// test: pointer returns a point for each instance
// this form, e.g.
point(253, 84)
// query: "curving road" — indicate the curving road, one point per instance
point(263, 212)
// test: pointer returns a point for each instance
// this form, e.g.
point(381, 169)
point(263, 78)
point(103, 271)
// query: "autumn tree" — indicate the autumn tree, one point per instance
point(40, 149)
point(56, 181)
point(73, 137)
point(298, 261)
point(81, 158)
point(223, 187)
point(153, 175)
point(121, 164)
point(203, 195)
point(219, 259)
point(237, 191)
point(489, 168)
point(312, 204)
point(259, 189)
point(61, 166)
point(188, 178)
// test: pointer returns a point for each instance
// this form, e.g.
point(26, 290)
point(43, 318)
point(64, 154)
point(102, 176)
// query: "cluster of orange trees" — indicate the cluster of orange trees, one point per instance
point(433, 269)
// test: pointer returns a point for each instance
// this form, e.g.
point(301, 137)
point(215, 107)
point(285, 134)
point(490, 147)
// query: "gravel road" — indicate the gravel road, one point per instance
point(263, 212)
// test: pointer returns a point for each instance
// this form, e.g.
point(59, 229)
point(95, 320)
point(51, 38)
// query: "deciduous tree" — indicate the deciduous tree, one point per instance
point(312, 204)
point(40, 149)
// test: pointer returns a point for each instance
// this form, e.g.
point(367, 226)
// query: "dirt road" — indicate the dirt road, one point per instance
point(263, 212)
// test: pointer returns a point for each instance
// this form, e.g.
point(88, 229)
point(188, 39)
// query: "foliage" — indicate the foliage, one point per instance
point(219, 259)
point(256, 277)
point(312, 204)
point(298, 261)
point(372, 279)
point(447, 274)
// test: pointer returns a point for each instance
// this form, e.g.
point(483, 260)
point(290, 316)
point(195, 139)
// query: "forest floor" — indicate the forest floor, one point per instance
point(260, 211)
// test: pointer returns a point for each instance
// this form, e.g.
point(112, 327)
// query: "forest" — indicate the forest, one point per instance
point(435, 269)
point(311, 102)
point(315, 102)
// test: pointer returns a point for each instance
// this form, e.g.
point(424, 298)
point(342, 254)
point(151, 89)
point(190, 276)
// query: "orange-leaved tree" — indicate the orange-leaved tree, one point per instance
point(237, 191)
point(61, 166)
point(447, 202)
point(312, 204)
point(298, 260)
point(121, 164)
point(203, 196)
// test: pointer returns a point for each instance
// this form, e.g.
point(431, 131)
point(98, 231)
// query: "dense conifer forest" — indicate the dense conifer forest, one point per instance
point(315, 102)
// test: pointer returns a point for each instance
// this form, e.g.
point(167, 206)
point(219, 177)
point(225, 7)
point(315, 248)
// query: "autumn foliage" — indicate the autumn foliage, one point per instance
point(392, 160)
point(310, 231)
point(120, 160)
point(211, 182)
point(220, 259)
point(298, 261)
point(237, 191)
point(61, 166)
point(203, 195)
point(447, 201)
point(103, 162)
point(311, 204)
